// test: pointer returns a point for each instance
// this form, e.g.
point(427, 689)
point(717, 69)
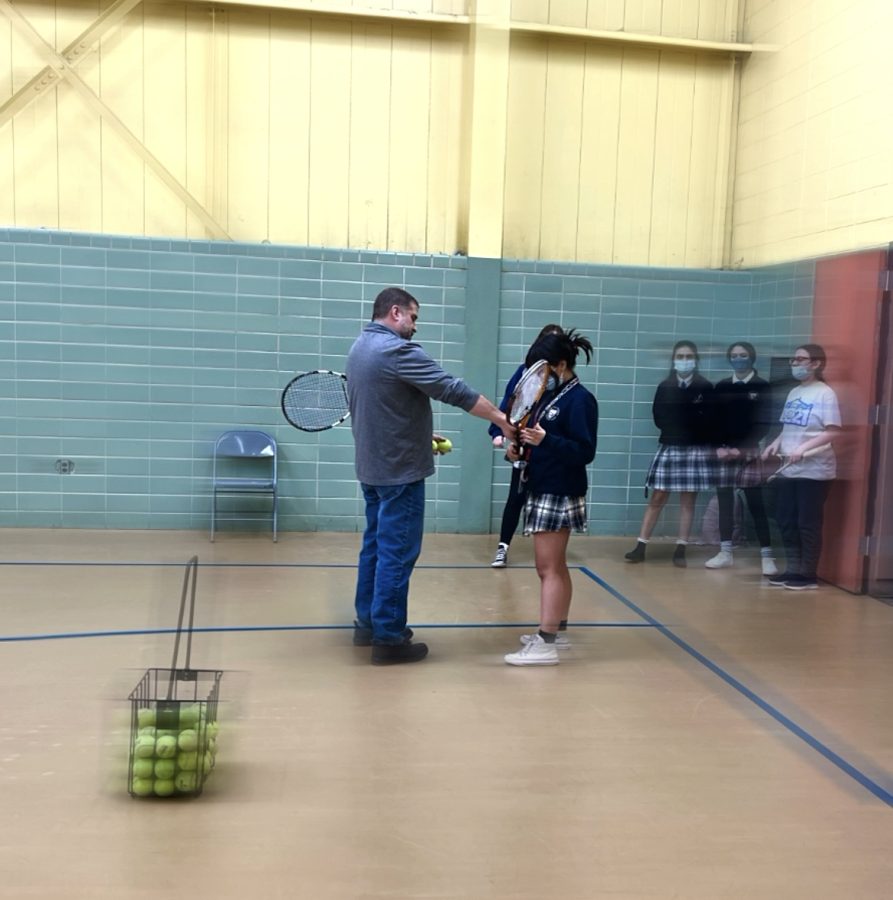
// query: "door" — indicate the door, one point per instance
point(846, 322)
point(880, 558)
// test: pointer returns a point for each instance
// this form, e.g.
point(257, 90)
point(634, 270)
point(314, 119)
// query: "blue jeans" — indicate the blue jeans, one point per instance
point(395, 517)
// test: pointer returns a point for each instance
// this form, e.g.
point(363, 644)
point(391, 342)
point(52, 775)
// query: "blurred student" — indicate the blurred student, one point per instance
point(682, 464)
point(517, 496)
point(741, 419)
point(810, 422)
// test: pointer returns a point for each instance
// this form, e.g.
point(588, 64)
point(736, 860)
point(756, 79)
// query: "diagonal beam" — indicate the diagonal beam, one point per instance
point(72, 54)
point(61, 68)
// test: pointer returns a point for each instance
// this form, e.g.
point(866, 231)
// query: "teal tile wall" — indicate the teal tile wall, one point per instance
point(129, 355)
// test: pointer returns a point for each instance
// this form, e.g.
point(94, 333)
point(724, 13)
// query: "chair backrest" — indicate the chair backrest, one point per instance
point(245, 443)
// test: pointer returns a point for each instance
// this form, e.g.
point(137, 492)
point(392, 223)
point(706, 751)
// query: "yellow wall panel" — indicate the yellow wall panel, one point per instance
point(606, 16)
point(289, 141)
point(7, 145)
point(635, 157)
point(562, 136)
point(598, 157)
point(673, 163)
point(524, 148)
point(123, 172)
point(408, 164)
point(711, 117)
point(369, 135)
point(248, 91)
point(329, 132)
point(164, 114)
point(447, 109)
point(814, 138)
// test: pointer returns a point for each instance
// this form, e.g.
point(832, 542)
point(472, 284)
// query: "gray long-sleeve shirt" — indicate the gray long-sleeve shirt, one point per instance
point(389, 383)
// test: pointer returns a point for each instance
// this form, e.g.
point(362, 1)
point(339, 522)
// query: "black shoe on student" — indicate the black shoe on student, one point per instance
point(393, 654)
point(638, 554)
point(781, 579)
point(362, 637)
point(679, 557)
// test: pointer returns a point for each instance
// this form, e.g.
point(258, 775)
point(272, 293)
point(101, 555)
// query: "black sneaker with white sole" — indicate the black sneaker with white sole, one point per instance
point(781, 579)
point(801, 583)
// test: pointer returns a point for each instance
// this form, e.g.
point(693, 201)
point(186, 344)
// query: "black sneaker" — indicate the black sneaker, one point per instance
point(362, 637)
point(782, 579)
point(801, 583)
point(679, 557)
point(393, 654)
point(636, 555)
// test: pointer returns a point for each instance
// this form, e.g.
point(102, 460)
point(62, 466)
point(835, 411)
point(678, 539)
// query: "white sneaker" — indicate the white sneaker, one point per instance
point(722, 560)
point(499, 561)
point(769, 567)
point(561, 640)
point(536, 653)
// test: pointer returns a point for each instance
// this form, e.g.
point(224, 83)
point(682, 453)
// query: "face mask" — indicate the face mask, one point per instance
point(552, 383)
point(740, 363)
point(800, 372)
point(684, 366)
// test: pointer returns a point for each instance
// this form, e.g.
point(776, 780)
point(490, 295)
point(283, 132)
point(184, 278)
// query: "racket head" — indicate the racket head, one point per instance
point(527, 392)
point(315, 401)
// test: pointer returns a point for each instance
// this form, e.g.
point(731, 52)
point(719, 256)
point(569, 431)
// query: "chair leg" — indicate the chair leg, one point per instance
point(213, 512)
point(275, 517)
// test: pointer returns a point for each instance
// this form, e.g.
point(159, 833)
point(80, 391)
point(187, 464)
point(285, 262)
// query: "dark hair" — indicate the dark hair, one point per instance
point(677, 346)
point(751, 350)
point(392, 296)
point(554, 348)
point(548, 329)
point(816, 354)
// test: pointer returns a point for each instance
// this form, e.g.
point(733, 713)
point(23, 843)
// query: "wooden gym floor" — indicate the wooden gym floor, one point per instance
point(705, 737)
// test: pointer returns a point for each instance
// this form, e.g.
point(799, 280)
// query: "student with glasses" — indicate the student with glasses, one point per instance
point(741, 418)
point(810, 421)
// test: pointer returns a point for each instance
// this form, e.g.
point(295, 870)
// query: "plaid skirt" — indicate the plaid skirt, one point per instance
point(745, 472)
point(682, 469)
point(551, 512)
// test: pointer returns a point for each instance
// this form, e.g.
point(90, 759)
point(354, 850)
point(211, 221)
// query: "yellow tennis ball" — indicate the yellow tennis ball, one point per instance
point(445, 445)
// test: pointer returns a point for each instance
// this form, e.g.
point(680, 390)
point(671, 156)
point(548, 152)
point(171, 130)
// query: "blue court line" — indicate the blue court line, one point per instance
point(733, 682)
point(234, 565)
point(128, 632)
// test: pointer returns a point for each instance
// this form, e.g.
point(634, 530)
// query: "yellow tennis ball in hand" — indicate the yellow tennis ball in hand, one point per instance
point(444, 446)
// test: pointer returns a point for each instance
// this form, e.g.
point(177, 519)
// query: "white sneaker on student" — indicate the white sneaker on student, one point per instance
point(769, 567)
point(722, 560)
point(561, 640)
point(501, 557)
point(536, 653)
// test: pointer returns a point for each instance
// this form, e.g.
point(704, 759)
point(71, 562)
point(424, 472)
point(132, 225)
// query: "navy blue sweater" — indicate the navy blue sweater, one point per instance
point(742, 412)
point(683, 415)
point(558, 464)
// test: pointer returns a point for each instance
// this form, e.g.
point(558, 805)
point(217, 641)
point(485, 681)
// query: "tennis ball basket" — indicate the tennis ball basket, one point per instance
point(173, 719)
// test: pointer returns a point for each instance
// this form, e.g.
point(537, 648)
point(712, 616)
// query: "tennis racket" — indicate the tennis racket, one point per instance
point(316, 401)
point(526, 395)
point(787, 461)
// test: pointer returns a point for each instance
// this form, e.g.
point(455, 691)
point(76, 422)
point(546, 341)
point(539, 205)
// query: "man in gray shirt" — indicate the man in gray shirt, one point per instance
point(390, 383)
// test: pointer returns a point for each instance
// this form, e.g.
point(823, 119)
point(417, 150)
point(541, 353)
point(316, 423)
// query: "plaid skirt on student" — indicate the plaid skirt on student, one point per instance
point(552, 512)
point(682, 469)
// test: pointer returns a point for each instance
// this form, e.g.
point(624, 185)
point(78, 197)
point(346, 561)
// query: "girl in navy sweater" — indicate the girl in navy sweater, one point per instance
point(561, 436)
point(741, 418)
point(514, 504)
point(684, 460)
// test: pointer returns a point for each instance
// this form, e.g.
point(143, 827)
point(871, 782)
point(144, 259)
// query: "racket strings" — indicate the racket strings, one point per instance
point(315, 401)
